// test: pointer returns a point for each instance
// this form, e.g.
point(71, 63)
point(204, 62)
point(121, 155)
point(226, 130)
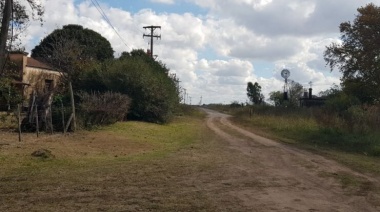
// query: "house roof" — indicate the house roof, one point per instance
point(31, 62)
point(17, 57)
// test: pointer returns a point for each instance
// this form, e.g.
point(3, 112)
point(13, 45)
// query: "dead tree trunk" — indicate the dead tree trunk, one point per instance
point(4, 33)
point(74, 126)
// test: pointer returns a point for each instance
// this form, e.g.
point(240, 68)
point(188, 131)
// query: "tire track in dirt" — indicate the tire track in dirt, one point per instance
point(291, 179)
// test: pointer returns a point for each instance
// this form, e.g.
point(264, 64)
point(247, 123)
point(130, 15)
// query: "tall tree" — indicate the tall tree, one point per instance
point(14, 11)
point(254, 93)
point(73, 50)
point(94, 46)
point(358, 56)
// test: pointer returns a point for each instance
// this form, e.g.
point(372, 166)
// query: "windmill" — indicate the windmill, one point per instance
point(285, 73)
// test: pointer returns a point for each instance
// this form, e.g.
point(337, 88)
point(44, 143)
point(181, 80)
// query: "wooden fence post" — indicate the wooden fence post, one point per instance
point(51, 119)
point(72, 107)
point(19, 121)
point(37, 124)
point(68, 122)
point(63, 118)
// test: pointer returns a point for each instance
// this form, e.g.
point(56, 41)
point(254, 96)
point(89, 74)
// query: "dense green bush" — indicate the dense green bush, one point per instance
point(10, 95)
point(345, 112)
point(362, 118)
point(340, 102)
point(154, 93)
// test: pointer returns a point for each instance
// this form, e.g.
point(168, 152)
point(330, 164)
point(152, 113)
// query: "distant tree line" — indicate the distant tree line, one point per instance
point(354, 105)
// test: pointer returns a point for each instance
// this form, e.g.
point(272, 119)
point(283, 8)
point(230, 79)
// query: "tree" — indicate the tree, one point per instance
point(154, 93)
point(254, 93)
point(295, 92)
point(93, 46)
point(277, 97)
point(333, 91)
point(337, 100)
point(19, 19)
point(74, 51)
point(358, 56)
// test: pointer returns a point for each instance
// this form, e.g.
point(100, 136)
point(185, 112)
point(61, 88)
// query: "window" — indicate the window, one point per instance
point(48, 85)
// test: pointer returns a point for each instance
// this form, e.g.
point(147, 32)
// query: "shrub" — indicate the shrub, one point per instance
point(363, 118)
point(102, 108)
point(10, 96)
point(155, 94)
point(236, 104)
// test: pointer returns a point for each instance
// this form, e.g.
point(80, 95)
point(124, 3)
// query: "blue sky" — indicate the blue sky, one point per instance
point(135, 6)
point(216, 47)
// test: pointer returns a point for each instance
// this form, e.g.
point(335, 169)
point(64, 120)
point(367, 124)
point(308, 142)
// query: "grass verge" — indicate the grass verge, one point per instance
point(130, 166)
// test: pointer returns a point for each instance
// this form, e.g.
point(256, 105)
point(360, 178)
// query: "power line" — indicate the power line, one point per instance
point(100, 10)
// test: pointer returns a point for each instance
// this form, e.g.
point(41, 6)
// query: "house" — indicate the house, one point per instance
point(32, 77)
point(309, 100)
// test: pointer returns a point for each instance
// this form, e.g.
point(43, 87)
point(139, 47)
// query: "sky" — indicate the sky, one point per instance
point(215, 47)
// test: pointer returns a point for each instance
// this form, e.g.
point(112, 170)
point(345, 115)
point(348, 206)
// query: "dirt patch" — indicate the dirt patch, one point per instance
point(43, 153)
point(291, 179)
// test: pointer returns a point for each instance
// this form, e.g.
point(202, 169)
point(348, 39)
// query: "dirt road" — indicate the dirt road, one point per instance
point(289, 179)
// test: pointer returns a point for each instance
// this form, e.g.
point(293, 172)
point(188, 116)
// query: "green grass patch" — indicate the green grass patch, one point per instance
point(304, 129)
point(117, 143)
point(358, 162)
point(163, 138)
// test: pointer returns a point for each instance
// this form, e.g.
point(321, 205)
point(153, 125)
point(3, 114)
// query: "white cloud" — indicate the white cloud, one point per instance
point(216, 54)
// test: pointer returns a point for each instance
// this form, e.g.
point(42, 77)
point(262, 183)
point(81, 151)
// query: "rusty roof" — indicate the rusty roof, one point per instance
point(31, 62)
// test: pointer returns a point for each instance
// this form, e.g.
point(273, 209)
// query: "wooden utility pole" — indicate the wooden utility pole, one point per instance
point(4, 32)
point(152, 35)
point(72, 119)
point(184, 96)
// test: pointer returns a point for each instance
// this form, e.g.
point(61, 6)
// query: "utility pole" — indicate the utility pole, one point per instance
point(184, 96)
point(152, 35)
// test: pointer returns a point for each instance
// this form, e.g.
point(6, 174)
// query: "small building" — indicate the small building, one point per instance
point(31, 76)
point(309, 100)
